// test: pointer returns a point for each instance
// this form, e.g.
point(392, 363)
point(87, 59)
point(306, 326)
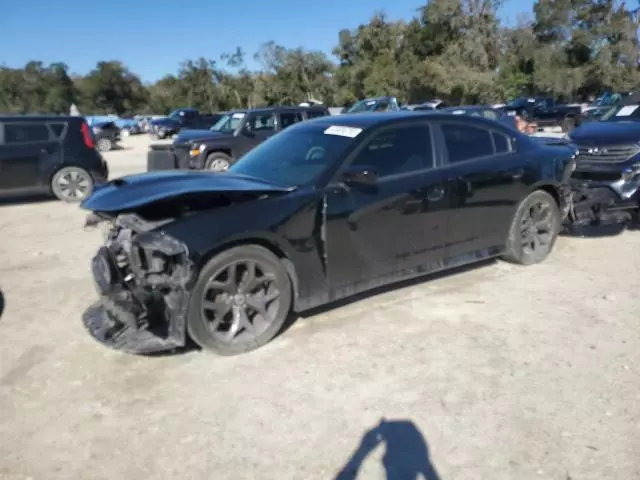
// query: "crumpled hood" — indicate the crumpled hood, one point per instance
point(134, 191)
point(606, 133)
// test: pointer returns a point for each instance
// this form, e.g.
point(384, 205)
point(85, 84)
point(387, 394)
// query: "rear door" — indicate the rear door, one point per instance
point(486, 177)
point(27, 150)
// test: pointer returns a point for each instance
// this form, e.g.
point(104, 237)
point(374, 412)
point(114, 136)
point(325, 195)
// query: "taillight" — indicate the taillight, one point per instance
point(86, 135)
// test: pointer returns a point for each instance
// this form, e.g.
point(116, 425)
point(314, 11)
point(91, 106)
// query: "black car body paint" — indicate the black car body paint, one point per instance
point(335, 239)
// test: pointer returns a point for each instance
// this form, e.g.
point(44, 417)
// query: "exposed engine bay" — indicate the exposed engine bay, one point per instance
point(142, 277)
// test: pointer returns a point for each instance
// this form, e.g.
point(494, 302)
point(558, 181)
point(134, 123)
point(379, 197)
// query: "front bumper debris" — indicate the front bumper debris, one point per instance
point(142, 283)
point(602, 206)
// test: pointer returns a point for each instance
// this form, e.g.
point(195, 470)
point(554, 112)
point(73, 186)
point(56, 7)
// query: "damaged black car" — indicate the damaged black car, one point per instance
point(321, 211)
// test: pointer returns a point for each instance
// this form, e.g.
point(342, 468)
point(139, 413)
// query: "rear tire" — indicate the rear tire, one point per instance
point(218, 162)
point(241, 300)
point(534, 229)
point(72, 184)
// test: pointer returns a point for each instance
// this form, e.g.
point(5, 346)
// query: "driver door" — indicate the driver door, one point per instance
point(395, 227)
point(258, 127)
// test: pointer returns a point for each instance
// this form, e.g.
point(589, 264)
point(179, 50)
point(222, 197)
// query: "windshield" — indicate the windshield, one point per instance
point(363, 106)
point(228, 123)
point(622, 113)
point(296, 156)
point(175, 115)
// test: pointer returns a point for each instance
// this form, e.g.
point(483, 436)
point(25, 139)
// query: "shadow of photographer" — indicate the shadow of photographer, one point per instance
point(406, 454)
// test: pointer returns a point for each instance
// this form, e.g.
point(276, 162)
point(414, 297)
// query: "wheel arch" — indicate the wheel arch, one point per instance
point(266, 243)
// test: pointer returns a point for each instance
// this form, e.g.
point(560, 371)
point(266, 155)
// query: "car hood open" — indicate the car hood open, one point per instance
point(135, 191)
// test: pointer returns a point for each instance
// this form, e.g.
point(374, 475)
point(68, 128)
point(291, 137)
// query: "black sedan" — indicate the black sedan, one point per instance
point(323, 210)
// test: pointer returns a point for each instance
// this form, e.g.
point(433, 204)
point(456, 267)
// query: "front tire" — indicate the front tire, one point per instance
point(241, 301)
point(218, 162)
point(72, 184)
point(534, 229)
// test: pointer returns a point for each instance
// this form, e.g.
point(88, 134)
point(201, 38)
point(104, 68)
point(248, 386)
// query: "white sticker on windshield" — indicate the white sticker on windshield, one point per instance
point(351, 132)
point(238, 115)
point(626, 111)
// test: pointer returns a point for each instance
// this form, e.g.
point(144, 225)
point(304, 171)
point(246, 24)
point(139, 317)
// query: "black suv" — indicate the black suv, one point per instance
point(233, 135)
point(49, 154)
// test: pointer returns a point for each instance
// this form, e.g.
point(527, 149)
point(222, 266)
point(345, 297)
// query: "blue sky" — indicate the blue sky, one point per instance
point(153, 36)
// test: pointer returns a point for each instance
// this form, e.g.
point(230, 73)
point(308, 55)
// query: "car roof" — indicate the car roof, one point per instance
point(277, 108)
point(37, 118)
point(367, 120)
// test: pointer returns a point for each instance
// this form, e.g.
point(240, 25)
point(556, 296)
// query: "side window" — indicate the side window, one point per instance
point(25, 132)
point(397, 151)
point(57, 129)
point(315, 113)
point(502, 142)
point(289, 118)
point(261, 121)
point(466, 142)
point(382, 106)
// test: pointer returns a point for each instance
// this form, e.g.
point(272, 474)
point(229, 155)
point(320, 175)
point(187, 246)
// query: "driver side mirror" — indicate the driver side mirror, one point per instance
point(360, 175)
point(246, 130)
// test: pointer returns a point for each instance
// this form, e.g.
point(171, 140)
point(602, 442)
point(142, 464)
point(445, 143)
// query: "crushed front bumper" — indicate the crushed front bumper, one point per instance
point(141, 310)
point(603, 203)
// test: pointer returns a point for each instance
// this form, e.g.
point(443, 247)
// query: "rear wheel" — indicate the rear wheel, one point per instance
point(240, 302)
point(72, 184)
point(534, 229)
point(218, 162)
point(104, 144)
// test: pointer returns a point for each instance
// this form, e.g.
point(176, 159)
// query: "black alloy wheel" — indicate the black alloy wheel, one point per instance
point(534, 229)
point(240, 302)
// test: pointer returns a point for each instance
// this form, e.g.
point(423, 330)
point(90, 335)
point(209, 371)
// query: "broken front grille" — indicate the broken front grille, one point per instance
point(608, 153)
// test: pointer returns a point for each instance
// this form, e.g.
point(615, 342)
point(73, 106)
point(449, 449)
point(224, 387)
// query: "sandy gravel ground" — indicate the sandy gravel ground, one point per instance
point(503, 372)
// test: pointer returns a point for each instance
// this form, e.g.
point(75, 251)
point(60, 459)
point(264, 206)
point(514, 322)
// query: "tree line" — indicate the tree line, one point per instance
point(455, 50)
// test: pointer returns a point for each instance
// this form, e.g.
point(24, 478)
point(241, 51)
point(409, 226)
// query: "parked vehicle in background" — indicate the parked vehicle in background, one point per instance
point(128, 126)
point(234, 134)
point(49, 155)
point(180, 119)
point(379, 104)
point(321, 211)
point(602, 105)
point(429, 105)
point(545, 112)
point(607, 177)
point(484, 111)
point(107, 135)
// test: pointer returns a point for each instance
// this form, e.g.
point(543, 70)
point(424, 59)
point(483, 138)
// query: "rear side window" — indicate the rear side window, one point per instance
point(315, 113)
point(58, 129)
point(466, 142)
point(502, 142)
point(289, 118)
point(25, 132)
